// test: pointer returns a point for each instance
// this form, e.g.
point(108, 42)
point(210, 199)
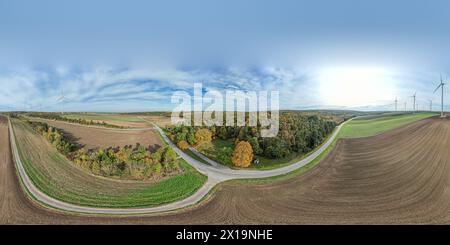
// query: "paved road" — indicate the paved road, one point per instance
point(216, 174)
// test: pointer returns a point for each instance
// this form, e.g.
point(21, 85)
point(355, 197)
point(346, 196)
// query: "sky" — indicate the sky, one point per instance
point(119, 56)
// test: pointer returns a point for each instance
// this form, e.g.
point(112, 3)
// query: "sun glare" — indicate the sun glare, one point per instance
point(355, 86)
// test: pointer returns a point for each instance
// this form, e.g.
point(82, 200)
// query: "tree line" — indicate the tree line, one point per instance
point(128, 162)
point(54, 116)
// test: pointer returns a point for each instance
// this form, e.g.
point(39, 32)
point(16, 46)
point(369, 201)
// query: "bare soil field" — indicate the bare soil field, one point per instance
point(94, 137)
point(161, 121)
point(402, 176)
point(123, 120)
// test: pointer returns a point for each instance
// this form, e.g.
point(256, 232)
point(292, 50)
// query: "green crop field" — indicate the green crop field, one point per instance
point(59, 178)
point(373, 126)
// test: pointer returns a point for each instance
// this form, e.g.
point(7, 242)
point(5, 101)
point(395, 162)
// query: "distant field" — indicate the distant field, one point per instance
point(123, 120)
point(379, 124)
point(104, 117)
point(92, 138)
point(135, 120)
point(59, 178)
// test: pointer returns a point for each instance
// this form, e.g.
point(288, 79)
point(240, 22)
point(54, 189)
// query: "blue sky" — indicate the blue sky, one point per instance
point(132, 55)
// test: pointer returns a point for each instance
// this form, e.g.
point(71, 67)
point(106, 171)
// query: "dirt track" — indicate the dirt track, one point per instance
point(402, 176)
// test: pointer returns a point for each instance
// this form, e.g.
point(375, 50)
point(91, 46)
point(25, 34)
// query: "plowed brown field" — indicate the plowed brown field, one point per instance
point(402, 176)
point(95, 137)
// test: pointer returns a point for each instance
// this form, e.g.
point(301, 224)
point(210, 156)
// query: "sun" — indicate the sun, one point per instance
point(355, 86)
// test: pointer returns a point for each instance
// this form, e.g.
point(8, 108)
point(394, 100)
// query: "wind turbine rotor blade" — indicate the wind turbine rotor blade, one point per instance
point(438, 87)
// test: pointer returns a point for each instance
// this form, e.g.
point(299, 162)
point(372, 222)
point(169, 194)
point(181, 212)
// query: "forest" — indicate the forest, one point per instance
point(298, 133)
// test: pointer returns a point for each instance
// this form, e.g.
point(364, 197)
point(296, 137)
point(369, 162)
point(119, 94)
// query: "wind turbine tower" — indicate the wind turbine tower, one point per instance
point(441, 85)
point(414, 102)
point(431, 105)
point(61, 100)
point(396, 103)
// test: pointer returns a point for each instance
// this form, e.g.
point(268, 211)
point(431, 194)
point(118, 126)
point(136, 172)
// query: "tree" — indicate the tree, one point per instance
point(203, 135)
point(180, 137)
point(190, 137)
point(255, 145)
point(222, 133)
point(158, 169)
point(276, 148)
point(242, 155)
point(169, 156)
point(157, 156)
point(96, 167)
point(183, 145)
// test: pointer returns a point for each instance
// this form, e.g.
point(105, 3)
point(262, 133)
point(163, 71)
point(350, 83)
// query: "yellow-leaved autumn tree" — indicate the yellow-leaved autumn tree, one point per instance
point(183, 145)
point(242, 155)
point(203, 135)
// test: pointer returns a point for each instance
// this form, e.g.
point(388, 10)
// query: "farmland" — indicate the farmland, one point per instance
point(136, 120)
point(91, 138)
point(398, 176)
point(363, 127)
point(114, 119)
point(52, 173)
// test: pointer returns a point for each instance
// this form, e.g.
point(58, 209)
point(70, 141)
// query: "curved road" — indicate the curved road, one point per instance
point(216, 174)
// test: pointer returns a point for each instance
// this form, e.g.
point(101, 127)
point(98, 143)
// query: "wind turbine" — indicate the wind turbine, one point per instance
point(395, 103)
point(414, 103)
point(441, 85)
point(431, 105)
point(61, 100)
point(405, 106)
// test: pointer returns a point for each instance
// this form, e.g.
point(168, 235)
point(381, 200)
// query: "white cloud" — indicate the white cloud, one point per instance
point(140, 89)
